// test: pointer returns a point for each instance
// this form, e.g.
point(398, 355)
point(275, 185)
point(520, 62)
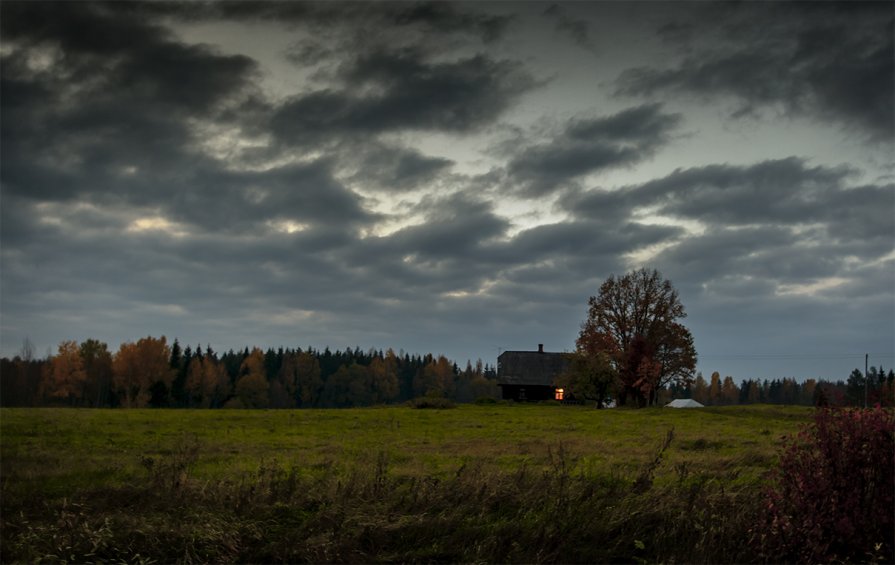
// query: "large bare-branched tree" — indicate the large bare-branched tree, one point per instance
point(634, 320)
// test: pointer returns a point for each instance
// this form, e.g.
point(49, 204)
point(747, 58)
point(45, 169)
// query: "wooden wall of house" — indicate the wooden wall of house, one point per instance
point(527, 393)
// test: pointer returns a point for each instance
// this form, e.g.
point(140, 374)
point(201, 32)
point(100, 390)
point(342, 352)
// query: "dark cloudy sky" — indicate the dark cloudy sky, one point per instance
point(450, 178)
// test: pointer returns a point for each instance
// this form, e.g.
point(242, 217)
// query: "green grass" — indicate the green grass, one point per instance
point(388, 483)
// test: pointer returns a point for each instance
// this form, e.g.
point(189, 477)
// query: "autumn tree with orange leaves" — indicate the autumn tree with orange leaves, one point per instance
point(207, 382)
point(252, 388)
point(634, 320)
point(137, 367)
point(67, 374)
point(384, 376)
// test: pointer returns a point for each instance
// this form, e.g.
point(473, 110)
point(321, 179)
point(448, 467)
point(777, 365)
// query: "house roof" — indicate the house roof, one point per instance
point(529, 367)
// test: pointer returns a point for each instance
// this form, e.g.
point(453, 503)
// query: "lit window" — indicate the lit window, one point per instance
point(558, 394)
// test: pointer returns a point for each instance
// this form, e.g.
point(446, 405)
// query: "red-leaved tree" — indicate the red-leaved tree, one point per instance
point(634, 320)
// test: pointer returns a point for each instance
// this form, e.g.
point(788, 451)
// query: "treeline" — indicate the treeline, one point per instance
point(880, 389)
point(151, 373)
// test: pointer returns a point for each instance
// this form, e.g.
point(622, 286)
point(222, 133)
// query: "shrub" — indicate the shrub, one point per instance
point(832, 496)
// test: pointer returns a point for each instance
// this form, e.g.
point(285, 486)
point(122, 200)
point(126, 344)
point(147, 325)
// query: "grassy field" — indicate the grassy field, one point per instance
point(476, 483)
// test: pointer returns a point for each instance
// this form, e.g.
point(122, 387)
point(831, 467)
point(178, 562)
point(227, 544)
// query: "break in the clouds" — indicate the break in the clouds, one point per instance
point(449, 177)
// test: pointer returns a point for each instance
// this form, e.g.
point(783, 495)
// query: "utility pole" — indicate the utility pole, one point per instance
point(866, 357)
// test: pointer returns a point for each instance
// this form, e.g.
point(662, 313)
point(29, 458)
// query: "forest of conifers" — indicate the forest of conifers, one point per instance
point(152, 373)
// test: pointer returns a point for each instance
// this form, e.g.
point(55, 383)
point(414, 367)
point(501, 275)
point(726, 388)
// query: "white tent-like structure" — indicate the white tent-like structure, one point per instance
point(684, 403)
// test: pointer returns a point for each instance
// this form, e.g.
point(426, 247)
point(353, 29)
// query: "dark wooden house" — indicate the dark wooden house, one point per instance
point(529, 375)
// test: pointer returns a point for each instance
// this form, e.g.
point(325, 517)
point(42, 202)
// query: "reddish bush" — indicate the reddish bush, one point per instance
point(833, 495)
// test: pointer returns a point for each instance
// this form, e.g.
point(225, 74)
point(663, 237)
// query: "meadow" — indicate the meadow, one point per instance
point(493, 482)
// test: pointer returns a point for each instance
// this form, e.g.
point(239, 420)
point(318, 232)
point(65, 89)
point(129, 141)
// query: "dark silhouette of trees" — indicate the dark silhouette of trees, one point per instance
point(97, 362)
point(310, 383)
point(145, 373)
point(436, 378)
point(207, 381)
point(384, 378)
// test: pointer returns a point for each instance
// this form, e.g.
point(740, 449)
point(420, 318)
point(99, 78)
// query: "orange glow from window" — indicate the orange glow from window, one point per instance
point(558, 394)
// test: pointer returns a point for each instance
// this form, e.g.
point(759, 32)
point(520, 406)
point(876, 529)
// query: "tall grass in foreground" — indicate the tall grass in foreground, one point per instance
point(507, 483)
point(366, 512)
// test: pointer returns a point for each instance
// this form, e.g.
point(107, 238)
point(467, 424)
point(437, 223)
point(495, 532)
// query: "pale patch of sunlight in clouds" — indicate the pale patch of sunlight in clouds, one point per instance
point(265, 44)
point(648, 217)
point(396, 212)
point(229, 145)
point(810, 289)
point(51, 220)
point(287, 317)
point(527, 214)
point(43, 58)
point(287, 226)
point(646, 255)
point(157, 224)
point(167, 309)
point(65, 215)
point(469, 157)
point(461, 294)
point(885, 259)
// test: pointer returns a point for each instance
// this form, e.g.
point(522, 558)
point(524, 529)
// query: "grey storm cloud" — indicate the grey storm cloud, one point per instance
point(392, 168)
point(432, 27)
point(102, 53)
point(305, 193)
point(440, 18)
point(775, 192)
point(720, 251)
point(153, 181)
point(586, 239)
point(455, 229)
point(462, 243)
point(444, 17)
point(773, 223)
point(588, 145)
point(403, 90)
point(827, 61)
point(447, 249)
point(88, 93)
point(578, 30)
